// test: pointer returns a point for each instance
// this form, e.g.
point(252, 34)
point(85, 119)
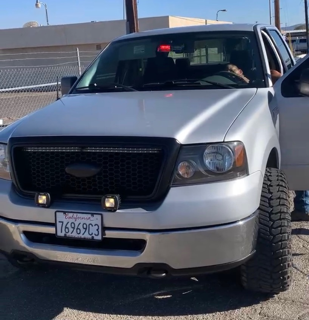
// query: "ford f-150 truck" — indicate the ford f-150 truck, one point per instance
point(171, 155)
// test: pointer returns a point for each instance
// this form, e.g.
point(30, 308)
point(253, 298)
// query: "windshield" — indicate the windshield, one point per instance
point(183, 61)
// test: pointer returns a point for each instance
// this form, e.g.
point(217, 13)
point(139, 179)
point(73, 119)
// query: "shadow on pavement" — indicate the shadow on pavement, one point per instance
point(42, 295)
point(301, 231)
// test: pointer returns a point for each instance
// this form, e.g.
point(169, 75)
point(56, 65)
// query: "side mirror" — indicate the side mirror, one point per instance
point(304, 83)
point(67, 83)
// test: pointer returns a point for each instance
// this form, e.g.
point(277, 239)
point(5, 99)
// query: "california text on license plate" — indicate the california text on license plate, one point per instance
point(78, 225)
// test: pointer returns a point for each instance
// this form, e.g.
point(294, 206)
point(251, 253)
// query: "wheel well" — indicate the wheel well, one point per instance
point(273, 159)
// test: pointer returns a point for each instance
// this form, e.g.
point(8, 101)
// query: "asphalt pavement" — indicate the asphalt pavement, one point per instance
point(62, 294)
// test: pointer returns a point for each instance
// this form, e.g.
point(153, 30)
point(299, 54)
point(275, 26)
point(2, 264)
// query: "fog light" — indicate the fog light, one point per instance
point(43, 199)
point(111, 202)
point(186, 169)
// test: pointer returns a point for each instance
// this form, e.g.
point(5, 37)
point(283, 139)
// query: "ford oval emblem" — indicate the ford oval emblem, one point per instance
point(82, 170)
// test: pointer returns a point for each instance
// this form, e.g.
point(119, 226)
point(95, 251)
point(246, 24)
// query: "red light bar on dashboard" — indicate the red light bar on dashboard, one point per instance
point(164, 48)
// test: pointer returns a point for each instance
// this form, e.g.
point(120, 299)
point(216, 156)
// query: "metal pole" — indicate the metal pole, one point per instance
point(277, 15)
point(217, 15)
point(307, 24)
point(270, 12)
point(46, 13)
point(129, 14)
point(78, 62)
point(125, 17)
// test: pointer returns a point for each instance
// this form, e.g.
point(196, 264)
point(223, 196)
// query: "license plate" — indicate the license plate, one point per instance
point(79, 225)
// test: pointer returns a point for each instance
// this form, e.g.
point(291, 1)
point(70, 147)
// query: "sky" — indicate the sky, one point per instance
point(13, 14)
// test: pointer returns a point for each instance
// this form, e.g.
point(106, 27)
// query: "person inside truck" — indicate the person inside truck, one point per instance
point(237, 71)
point(275, 75)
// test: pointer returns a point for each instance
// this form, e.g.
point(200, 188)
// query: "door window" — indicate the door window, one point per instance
point(273, 61)
point(284, 53)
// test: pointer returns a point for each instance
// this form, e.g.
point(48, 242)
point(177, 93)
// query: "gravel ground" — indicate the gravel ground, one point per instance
point(69, 295)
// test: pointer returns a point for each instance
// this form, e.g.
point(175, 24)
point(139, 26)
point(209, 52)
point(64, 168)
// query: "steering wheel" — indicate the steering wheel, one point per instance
point(231, 76)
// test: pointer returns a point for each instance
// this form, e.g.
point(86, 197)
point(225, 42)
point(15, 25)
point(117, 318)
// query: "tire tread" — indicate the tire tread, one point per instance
point(269, 271)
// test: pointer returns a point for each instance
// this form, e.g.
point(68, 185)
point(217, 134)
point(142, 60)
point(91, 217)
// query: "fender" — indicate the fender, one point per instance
point(256, 129)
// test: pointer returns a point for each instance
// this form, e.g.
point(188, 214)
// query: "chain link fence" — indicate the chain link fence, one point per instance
point(28, 81)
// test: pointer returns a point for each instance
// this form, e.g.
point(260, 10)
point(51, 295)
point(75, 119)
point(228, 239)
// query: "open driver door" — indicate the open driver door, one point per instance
point(292, 99)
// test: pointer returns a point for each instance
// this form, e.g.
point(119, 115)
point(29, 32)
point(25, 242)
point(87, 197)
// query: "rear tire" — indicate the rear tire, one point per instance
point(269, 271)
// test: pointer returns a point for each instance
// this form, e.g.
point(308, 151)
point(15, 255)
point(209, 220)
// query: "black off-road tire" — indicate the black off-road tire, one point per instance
point(269, 271)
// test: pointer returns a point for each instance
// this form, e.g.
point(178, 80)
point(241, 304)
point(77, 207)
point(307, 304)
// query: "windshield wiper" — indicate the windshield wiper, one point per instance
point(109, 87)
point(182, 82)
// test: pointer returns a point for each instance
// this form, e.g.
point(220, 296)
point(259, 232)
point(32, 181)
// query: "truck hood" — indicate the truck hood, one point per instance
point(192, 116)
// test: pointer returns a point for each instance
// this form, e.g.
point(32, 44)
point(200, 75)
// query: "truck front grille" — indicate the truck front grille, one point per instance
point(129, 171)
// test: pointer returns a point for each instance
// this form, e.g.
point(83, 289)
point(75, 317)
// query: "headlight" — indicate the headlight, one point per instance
point(218, 158)
point(209, 163)
point(4, 163)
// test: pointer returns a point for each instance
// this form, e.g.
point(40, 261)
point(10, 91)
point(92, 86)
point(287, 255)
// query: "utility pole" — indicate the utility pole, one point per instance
point(277, 15)
point(135, 2)
point(132, 18)
point(307, 25)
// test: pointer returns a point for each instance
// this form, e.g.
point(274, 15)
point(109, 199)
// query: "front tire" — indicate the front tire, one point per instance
point(269, 271)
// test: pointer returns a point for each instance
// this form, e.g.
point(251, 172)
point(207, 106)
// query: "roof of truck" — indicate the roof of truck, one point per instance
point(199, 28)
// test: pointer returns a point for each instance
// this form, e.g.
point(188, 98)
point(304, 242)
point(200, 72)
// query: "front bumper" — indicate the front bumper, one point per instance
point(176, 252)
point(194, 227)
point(185, 207)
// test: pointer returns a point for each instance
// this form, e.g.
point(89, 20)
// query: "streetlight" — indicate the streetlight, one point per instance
point(223, 10)
point(38, 5)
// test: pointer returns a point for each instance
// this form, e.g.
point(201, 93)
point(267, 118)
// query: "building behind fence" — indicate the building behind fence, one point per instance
point(28, 81)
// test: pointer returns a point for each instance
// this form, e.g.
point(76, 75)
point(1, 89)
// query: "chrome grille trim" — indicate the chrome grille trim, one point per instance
point(92, 149)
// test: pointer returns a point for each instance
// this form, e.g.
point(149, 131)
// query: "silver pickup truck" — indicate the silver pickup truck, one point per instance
point(170, 156)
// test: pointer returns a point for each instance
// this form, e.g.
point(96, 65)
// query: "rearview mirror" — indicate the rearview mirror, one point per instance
point(304, 83)
point(67, 83)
